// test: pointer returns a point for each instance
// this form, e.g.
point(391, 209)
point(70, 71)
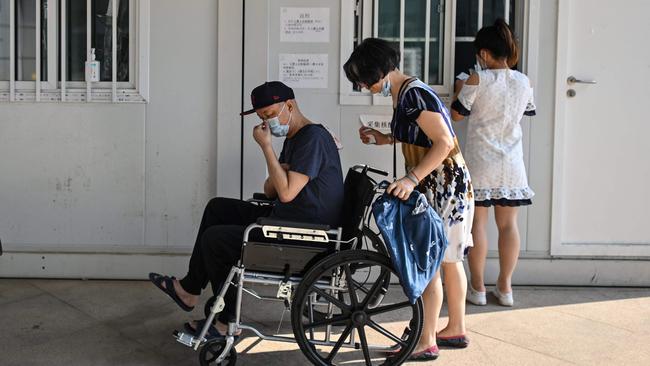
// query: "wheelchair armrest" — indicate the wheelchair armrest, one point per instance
point(267, 221)
point(261, 197)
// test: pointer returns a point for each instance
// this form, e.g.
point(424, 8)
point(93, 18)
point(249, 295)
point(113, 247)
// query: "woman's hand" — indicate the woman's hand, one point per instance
point(365, 134)
point(401, 188)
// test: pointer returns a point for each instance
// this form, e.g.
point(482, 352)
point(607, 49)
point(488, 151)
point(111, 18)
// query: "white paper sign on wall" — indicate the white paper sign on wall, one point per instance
point(305, 25)
point(379, 122)
point(305, 70)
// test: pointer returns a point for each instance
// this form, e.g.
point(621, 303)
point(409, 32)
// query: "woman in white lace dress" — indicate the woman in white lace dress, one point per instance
point(494, 99)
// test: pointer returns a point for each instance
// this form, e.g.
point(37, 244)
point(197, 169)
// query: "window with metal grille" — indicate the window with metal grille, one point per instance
point(45, 45)
point(434, 37)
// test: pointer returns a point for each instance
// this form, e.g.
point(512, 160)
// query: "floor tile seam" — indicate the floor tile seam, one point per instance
point(524, 347)
point(593, 320)
point(65, 302)
point(94, 322)
point(63, 334)
point(31, 297)
point(62, 300)
point(482, 350)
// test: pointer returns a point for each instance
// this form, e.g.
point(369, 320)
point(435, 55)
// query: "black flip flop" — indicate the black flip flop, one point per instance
point(158, 279)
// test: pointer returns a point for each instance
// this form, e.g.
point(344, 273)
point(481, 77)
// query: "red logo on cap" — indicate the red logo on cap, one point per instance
point(275, 97)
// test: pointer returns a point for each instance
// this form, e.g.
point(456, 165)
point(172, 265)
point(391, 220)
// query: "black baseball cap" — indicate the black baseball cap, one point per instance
point(268, 94)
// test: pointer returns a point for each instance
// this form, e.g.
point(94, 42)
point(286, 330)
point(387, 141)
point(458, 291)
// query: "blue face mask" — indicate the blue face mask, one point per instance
point(278, 129)
point(385, 88)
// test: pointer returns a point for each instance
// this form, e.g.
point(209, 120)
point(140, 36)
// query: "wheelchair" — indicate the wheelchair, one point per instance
point(338, 284)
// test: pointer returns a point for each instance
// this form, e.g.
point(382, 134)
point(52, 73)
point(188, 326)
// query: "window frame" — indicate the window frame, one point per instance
point(529, 16)
point(55, 88)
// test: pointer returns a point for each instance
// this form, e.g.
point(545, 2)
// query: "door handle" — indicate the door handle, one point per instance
point(573, 80)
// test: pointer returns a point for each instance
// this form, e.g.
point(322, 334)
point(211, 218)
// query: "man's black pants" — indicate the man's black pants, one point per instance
point(218, 247)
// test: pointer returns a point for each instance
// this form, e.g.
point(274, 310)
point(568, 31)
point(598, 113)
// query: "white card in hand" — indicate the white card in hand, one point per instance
point(370, 136)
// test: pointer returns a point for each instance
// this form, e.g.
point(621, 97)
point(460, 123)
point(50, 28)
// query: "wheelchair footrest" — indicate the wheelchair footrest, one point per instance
point(186, 339)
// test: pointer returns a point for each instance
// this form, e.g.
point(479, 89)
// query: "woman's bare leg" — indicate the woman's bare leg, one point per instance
point(478, 253)
point(455, 289)
point(509, 243)
point(432, 299)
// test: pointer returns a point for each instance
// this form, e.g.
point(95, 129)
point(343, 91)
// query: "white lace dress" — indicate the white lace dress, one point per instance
point(493, 151)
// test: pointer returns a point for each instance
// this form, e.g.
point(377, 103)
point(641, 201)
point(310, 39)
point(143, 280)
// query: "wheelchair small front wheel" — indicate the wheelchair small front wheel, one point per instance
point(211, 351)
point(365, 314)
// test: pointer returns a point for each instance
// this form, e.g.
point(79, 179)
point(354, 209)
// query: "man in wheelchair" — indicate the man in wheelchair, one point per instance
point(306, 183)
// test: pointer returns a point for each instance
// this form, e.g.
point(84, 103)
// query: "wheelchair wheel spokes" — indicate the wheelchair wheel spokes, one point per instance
point(386, 333)
point(339, 343)
point(364, 344)
point(352, 288)
point(363, 317)
point(389, 308)
point(334, 301)
point(334, 320)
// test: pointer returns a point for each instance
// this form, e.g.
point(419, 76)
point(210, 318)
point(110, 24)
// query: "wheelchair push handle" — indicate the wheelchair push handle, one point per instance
point(367, 168)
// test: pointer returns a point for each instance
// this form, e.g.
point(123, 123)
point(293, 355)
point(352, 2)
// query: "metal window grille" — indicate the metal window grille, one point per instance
point(56, 86)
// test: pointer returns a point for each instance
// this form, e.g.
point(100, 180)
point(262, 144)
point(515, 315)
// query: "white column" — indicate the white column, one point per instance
point(12, 50)
point(114, 4)
point(88, 46)
point(38, 50)
point(63, 27)
point(427, 26)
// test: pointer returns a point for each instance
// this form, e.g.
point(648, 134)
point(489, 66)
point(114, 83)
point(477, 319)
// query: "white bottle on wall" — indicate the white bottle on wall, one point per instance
point(92, 68)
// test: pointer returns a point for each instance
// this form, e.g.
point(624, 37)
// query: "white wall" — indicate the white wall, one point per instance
point(123, 186)
point(72, 175)
point(116, 178)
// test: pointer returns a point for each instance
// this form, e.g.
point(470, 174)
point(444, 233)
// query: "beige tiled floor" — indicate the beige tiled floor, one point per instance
point(52, 322)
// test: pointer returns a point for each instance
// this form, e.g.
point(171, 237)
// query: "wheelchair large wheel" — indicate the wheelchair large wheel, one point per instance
point(351, 288)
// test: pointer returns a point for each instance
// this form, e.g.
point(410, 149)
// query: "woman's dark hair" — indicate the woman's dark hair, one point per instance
point(370, 61)
point(499, 40)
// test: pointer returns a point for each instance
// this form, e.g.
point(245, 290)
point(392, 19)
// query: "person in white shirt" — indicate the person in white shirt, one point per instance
point(494, 99)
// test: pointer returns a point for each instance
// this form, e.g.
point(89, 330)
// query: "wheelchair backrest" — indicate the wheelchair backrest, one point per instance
point(359, 191)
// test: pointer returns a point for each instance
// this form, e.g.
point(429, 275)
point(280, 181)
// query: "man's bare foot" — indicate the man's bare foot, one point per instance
point(187, 298)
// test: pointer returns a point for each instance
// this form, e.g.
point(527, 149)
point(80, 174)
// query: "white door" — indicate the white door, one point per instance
point(602, 133)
